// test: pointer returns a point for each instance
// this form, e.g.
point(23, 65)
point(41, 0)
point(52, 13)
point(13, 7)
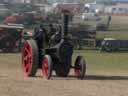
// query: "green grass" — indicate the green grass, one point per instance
point(111, 34)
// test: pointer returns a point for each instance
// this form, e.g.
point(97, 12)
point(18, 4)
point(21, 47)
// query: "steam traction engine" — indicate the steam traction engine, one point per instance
point(51, 53)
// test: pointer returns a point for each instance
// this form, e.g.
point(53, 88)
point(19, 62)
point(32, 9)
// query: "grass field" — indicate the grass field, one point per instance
point(105, 63)
point(97, 63)
point(119, 23)
point(111, 34)
point(118, 28)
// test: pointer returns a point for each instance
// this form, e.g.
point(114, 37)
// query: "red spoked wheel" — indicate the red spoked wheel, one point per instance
point(47, 66)
point(80, 67)
point(30, 58)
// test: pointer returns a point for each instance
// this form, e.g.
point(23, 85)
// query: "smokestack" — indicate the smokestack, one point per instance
point(65, 21)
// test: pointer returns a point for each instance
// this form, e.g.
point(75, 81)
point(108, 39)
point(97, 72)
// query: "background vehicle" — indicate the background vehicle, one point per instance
point(10, 38)
point(100, 21)
point(14, 18)
point(111, 44)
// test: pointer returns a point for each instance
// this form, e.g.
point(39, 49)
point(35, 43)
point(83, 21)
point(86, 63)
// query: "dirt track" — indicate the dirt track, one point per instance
point(13, 83)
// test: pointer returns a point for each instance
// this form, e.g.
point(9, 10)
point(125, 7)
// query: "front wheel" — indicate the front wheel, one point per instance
point(47, 66)
point(80, 67)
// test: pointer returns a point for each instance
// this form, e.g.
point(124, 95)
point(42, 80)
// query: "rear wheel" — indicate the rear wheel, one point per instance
point(30, 58)
point(80, 67)
point(47, 66)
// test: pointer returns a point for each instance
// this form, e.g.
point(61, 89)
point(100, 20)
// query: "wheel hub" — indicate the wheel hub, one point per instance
point(26, 58)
